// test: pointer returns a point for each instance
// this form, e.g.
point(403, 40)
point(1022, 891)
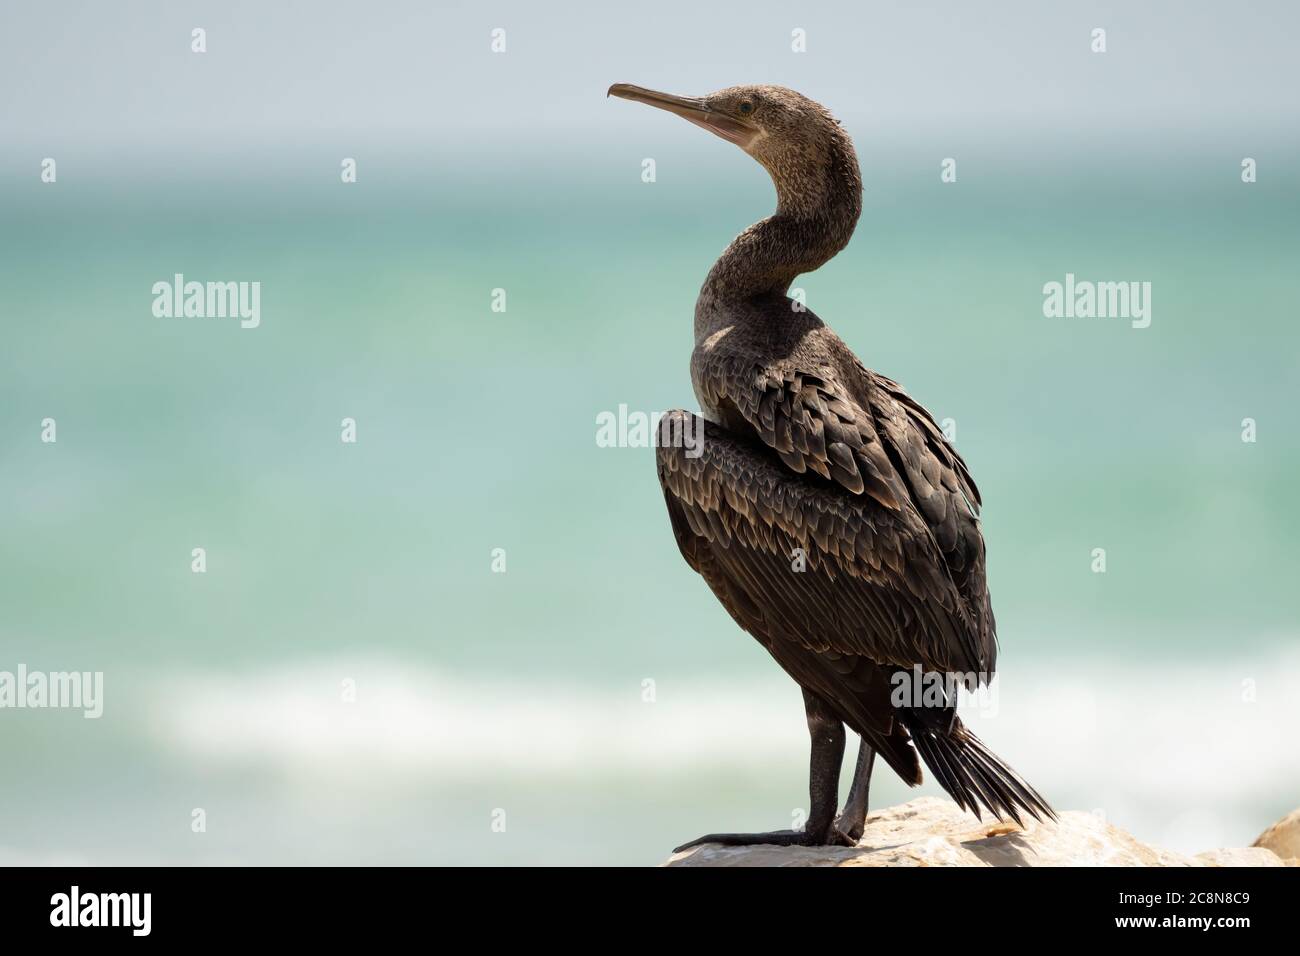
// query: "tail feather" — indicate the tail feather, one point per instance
point(973, 775)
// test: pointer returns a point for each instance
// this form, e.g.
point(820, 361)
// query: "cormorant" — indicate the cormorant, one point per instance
point(824, 508)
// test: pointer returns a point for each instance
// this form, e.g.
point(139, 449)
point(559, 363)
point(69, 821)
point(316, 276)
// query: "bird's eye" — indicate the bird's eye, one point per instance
point(746, 107)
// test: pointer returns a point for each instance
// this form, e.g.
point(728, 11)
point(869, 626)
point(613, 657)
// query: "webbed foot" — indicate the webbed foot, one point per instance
point(832, 836)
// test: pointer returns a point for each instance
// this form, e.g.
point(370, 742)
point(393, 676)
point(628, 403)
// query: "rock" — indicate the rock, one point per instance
point(930, 831)
point(1243, 856)
point(1283, 837)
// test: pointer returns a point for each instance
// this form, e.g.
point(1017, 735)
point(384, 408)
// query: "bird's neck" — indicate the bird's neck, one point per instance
point(817, 208)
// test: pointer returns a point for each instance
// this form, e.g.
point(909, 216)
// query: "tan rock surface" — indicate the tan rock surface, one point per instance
point(931, 831)
point(1283, 837)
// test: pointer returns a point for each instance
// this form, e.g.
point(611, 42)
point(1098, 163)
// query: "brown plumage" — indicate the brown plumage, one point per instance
point(825, 509)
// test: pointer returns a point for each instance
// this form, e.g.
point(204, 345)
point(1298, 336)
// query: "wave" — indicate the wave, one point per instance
point(1191, 756)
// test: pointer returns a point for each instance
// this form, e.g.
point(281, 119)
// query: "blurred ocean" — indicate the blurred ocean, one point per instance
point(1164, 692)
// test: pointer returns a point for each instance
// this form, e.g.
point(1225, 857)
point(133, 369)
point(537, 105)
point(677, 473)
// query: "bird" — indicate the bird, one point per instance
point(824, 507)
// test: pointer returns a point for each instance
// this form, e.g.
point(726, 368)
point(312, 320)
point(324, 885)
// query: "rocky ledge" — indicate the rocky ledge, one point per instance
point(931, 831)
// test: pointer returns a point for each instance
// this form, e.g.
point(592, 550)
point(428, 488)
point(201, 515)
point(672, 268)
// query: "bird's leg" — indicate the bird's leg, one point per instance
point(853, 819)
point(824, 764)
point(827, 733)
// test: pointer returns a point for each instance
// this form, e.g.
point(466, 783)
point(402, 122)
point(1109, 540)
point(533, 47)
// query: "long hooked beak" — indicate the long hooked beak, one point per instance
point(692, 108)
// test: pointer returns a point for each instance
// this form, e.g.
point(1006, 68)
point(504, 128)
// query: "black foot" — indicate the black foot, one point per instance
point(852, 829)
point(833, 837)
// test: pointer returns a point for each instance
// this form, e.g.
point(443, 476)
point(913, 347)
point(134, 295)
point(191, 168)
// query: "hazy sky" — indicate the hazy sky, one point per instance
point(122, 74)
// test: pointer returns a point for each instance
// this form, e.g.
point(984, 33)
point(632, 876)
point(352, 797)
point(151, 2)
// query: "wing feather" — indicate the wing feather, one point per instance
point(829, 574)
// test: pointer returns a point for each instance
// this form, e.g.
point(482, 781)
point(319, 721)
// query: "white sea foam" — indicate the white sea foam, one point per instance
point(410, 723)
point(1182, 756)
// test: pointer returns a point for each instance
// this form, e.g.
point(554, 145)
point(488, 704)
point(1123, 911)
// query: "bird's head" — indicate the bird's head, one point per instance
point(796, 139)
